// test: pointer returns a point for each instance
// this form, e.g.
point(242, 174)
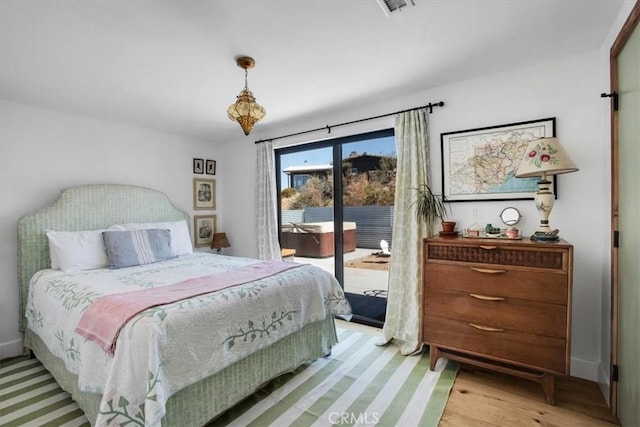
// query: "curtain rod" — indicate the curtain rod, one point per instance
point(328, 127)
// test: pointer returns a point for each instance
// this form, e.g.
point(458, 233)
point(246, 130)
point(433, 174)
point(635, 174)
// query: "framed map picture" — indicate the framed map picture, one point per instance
point(481, 164)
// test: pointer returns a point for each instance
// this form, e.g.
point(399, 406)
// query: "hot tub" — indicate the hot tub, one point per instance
point(315, 239)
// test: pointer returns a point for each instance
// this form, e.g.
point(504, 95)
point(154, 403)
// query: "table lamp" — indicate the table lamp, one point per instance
point(219, 241)
point(543, 157)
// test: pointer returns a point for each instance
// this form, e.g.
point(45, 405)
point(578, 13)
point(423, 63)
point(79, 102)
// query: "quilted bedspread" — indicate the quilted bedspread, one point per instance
point(166, 348)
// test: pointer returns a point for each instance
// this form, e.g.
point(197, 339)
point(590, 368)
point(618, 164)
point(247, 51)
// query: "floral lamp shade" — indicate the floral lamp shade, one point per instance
point(545, 156)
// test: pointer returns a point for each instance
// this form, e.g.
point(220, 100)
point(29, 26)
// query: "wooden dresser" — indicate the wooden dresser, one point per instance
point(500, 304)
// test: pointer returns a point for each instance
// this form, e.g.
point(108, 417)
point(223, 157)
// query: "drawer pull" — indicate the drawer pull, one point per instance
point(488, 248)
point(487, 297)
point(488, 270)
point(486, 328)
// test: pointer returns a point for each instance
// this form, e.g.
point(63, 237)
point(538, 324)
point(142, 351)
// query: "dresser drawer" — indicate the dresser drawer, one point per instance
point(518, 348)
point(508, 313)
point(487, 253)
point(503, 281)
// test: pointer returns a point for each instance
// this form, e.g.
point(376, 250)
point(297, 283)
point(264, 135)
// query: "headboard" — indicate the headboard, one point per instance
point(86, 207)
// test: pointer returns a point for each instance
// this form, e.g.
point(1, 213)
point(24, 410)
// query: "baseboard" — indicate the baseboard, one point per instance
point(604, 383)
point(584, 369)
point(11, 349)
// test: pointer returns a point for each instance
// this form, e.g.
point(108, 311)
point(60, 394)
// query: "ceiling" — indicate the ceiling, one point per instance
point(169, 65)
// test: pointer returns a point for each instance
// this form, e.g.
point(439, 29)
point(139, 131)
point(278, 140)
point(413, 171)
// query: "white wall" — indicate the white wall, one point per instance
point(567, 89)
point(44, 151)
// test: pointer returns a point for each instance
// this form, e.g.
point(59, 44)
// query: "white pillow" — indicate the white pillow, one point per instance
point(180, 238)
point(77, 250)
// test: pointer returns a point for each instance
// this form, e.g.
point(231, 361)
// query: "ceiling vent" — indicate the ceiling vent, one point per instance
point(393, 6)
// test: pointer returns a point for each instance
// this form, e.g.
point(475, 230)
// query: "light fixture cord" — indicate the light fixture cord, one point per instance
point(246, 73)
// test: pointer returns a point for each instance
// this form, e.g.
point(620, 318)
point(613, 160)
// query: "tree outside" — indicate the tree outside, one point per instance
point(371, 188)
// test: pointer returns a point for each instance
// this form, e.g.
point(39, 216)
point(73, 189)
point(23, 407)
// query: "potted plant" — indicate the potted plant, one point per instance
point(431, 207)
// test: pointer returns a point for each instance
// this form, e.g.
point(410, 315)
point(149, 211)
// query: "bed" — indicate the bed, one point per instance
point(172, 364)
point(316, 239)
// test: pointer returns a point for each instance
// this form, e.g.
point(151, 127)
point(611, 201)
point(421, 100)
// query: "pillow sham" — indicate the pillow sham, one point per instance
point(180, 237)
point(137, 247)
point(76, 250)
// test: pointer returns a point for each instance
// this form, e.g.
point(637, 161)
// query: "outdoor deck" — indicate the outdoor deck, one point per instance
point(357, 280)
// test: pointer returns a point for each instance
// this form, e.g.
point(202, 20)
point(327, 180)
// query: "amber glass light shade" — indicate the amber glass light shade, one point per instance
point(246, 110)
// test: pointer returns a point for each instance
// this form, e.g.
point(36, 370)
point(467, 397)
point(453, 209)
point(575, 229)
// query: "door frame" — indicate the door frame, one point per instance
point(625, 33)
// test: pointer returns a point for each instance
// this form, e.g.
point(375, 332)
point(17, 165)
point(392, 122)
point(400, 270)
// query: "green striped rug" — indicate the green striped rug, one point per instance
point(29, 396)
point(359, 384)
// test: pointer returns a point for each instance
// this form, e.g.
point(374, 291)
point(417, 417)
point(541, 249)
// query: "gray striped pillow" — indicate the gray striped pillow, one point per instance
point(137, 247)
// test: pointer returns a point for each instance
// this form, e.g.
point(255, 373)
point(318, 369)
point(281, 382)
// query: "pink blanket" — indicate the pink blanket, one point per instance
point(105, 317)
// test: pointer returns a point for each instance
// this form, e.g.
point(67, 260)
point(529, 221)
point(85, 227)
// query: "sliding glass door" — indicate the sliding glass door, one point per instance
point(336, 211)
point(307, 205)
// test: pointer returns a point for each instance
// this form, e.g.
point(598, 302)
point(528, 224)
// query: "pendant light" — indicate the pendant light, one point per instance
point(245, 110)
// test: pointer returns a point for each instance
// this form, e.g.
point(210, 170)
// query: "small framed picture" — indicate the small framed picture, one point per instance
point(211, 167)
point(203, 228)
point(204, 193)
point(198, 166)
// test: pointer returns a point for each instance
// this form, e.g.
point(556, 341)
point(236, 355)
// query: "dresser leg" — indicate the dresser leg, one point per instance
point(548, 382)
point(434, 354)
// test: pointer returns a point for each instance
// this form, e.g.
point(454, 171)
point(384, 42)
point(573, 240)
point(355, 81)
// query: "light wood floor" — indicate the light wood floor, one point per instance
point(483, 398)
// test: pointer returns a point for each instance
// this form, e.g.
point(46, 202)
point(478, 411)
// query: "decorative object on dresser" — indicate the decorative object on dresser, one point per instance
point(500, 304)
point(511, 217)
point(432, 207)
point(543, 157)
point(220, 241)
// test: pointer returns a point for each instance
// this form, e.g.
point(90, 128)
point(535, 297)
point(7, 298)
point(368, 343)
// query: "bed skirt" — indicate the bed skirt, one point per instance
point(199, 403)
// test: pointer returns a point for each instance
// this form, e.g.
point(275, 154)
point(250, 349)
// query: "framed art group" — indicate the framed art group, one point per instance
point(202, 166)
point(204, 198)
point(481, 164)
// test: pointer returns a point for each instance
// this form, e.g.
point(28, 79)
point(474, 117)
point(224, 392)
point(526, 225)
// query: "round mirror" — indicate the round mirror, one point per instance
point(510, 216)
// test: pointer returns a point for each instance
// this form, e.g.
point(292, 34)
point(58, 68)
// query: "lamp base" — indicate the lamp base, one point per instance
point(548, 236)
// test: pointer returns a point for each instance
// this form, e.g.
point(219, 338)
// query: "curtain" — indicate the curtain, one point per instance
point(404, 299)
point(266, 203)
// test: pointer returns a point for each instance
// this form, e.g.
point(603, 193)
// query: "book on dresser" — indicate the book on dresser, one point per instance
point(500, 304)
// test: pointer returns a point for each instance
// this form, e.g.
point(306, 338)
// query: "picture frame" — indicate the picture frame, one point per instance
point(204, 226)
point(204, 193)
point(198, 166)
point(481, 164)
point(210, 168)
